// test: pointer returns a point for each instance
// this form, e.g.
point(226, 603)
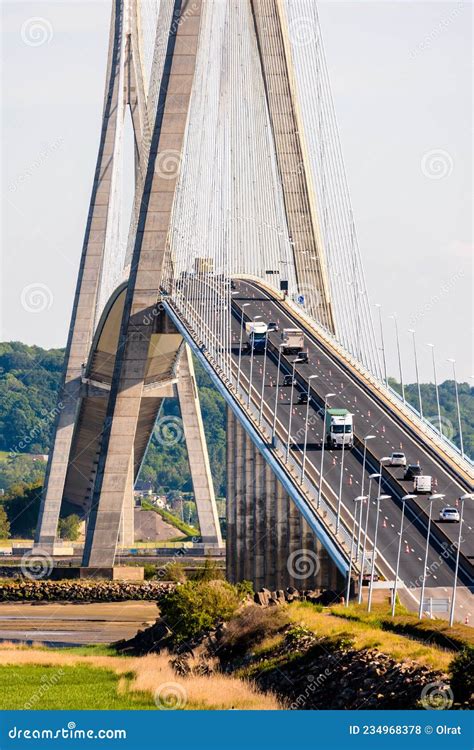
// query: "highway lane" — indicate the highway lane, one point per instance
point(332, 379)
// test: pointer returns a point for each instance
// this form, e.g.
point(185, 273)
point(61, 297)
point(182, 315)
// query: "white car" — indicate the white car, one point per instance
point(398, 459)
point(449, 514)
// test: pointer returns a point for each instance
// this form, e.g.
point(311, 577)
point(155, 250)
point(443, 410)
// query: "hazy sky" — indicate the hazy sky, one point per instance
point(401, 74)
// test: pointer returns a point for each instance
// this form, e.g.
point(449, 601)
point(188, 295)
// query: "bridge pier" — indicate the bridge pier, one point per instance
point(268, 541)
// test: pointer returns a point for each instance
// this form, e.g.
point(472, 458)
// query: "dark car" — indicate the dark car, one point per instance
point(287, 380)
point(303, 356)
point(272, 327)
point(303, 398)
point(412, 471)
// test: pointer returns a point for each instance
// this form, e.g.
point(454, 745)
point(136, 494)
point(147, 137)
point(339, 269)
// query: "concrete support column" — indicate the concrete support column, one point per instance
point(127, 523)
point(268, 540)
point(197, 450)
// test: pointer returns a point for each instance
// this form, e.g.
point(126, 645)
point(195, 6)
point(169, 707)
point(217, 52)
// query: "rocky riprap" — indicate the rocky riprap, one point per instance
point(26, 590)
point(267, 598)
point(327, 673)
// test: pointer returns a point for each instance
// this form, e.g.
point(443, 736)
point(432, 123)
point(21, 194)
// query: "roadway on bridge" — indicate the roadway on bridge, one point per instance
point(369, 418)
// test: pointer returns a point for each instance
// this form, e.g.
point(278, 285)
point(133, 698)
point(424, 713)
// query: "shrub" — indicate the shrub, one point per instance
point(210, 571)
point(149, 571)
point(198, 606)
point(175, 572)
point(462, 675)
point(252, 626)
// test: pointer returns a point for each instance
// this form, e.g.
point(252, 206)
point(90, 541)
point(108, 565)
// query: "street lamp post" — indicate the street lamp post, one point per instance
point(379, 308)
point(423, 585)
point(323, 442)
point(246, 304)
point(339, 497)
point(257, 317)
point(263, 380)
point(362, 484)
point(436, 388)
point(463, 498)
point(295, 362)
point(276, 395)
point(366, 526)
point(358, 499)
point(311, 377)
point(394, 317)
point(374, 549)
point(404, 499)
point(453, 362)
point(412, 331)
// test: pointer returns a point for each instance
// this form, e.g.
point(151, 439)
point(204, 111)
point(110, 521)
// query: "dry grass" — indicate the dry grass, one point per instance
point(154, 674)
point(399, 647)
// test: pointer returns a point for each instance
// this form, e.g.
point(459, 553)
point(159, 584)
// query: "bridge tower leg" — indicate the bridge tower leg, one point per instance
point(268, 541)
point(123, 86)
point(197, 450)
point(140, 309)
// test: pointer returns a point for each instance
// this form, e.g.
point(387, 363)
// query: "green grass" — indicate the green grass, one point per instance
point(190, 531)
point(77, 687)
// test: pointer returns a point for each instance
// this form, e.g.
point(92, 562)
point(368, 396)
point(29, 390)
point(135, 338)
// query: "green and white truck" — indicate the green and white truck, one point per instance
point(339, 428)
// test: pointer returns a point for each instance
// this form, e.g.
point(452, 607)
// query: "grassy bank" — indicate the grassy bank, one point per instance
point(85, 678)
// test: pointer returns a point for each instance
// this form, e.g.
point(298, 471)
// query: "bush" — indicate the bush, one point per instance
point(149, 571)
point(175, 572)
point(251, 627)
point(210, 571)
point(198, 606)
point(462, 675)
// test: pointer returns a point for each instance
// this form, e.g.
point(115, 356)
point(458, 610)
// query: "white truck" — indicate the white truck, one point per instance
point(292, 340)
point(256, 333)
point(339, 428)
point(422, 483)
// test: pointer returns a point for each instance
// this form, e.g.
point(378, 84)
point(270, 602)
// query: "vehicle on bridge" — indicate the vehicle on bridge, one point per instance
point(292, 340)
point(339, 428)
point(412, 471)
point(449, 514)
point(398, 459)
point(422, 483)
point(256, 335)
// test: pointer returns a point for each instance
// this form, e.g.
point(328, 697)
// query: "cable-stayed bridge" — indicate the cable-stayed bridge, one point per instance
point(241, 213)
